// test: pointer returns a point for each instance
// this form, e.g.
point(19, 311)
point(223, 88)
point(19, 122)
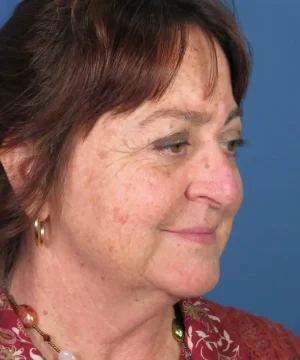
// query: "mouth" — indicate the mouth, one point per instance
point(203, 236)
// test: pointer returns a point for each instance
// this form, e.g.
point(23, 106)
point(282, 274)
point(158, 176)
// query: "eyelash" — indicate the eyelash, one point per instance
point(166, 149)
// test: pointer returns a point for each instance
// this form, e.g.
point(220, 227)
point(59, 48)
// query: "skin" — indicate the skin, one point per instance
point(109, 272)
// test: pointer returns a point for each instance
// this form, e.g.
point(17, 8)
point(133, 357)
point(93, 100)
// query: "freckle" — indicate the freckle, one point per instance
point(45, 312)
point(207, 166)
point(102, 278)
point(82, 265)
point(102, 154)
point(118, 216)
point(136, 300)
point(110, 249)
point(168, 173)
point(89, 179)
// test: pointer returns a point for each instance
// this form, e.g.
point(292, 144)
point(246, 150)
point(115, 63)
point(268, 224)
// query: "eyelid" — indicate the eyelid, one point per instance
point(171, 139)
point(231, 129)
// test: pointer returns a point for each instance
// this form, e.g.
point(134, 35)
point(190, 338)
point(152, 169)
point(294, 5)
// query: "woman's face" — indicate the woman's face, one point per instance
point(150, 197)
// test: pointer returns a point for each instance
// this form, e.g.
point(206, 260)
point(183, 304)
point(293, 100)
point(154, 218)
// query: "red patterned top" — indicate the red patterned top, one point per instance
point(213, 332)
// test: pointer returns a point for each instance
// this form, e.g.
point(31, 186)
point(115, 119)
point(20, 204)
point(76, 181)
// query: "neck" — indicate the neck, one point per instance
point(92, 318)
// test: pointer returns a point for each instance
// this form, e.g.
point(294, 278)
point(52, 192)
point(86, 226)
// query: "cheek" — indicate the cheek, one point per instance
point(152, 195)
point(134, 198)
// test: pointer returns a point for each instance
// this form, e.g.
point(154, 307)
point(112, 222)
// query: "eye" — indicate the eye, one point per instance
point(173, 146)
point(230, 146)
point(176, 148)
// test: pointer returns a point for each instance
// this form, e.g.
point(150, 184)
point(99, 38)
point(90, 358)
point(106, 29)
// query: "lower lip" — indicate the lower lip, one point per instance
point(200, 238)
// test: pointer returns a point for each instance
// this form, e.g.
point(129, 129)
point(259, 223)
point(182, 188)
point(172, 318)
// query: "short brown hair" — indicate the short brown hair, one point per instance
point(65, 63)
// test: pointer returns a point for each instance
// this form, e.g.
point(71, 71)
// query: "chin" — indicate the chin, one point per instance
point(190, 281)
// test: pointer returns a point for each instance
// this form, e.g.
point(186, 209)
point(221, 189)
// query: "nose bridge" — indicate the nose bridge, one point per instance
point(216, 177)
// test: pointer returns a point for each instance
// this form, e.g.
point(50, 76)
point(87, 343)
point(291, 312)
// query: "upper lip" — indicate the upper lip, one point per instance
point(194, 230)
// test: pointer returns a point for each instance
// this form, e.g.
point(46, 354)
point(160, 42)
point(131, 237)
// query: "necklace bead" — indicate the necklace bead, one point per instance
point(66, 355)
point(27, 316)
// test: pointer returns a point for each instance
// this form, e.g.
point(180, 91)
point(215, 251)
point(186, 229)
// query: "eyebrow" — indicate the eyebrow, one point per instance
point(194, 117)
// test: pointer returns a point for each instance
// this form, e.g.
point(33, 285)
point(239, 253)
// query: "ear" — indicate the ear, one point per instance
point(17, 163)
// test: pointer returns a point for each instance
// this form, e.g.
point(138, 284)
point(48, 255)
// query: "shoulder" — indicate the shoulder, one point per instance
point(262, 338)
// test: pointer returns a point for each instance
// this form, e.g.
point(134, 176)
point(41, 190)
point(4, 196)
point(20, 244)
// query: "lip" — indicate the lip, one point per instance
point(200, 235)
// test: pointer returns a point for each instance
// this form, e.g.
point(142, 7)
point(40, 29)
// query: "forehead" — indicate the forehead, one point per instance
point(204, 63)
point(203, 81)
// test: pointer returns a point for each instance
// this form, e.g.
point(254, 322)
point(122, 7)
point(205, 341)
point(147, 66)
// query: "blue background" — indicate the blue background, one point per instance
point(260, 268)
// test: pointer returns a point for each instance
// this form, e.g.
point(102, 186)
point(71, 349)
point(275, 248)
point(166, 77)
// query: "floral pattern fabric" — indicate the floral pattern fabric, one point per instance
point(206, 338)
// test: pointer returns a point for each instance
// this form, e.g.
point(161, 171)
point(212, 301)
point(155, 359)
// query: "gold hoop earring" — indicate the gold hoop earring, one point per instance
point(39, 233)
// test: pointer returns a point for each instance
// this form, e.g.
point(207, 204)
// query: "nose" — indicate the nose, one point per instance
point(214, 177)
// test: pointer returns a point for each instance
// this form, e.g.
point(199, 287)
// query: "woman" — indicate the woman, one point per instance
point(119, 126)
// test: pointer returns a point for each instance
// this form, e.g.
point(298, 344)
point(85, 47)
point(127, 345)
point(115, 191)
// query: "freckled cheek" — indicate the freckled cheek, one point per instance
point(155, 197)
